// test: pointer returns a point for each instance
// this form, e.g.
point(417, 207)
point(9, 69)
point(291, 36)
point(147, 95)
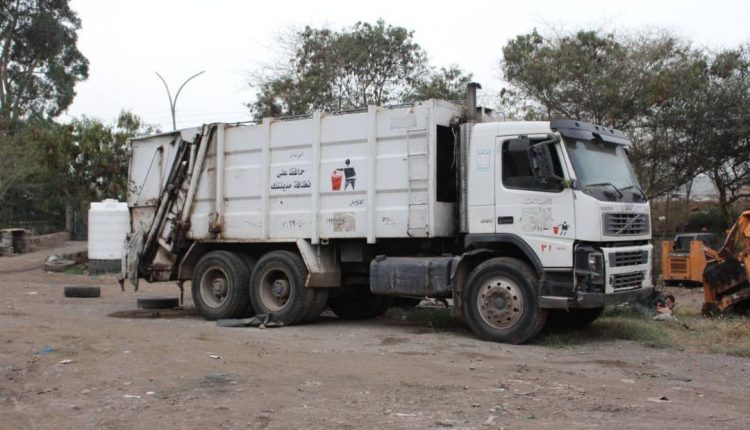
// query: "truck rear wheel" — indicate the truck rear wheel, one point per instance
point(277, 287)
point(318, 305)
point(500, 301)
point(219, 286)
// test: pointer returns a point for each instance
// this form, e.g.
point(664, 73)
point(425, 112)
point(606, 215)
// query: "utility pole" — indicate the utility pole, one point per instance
point(173, 102)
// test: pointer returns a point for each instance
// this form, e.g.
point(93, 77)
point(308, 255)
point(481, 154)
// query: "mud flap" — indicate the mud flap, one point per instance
point(131, 256)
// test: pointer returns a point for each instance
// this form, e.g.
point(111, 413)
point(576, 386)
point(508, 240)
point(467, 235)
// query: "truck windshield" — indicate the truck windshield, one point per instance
point(603, 165)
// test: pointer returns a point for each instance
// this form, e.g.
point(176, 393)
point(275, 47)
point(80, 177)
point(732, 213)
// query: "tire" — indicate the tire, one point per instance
point(219, 286)
point(572, 318)
point(58, 266)
point(501, 301)
point(158, 302)
point(82, 292)
point(277, 287)
point(250, 262)
point(357, 302)
point(319, 304)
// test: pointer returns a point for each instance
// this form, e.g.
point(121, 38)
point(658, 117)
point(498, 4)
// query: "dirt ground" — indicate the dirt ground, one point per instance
point(129, 370)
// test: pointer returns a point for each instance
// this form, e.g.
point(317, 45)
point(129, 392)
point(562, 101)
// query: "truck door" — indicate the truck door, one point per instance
point(538, 211)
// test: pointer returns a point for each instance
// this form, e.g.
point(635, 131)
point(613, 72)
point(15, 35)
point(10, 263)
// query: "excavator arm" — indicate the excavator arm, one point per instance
point(725, 281)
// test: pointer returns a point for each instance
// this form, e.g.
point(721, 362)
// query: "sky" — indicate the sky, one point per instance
point(126, 42)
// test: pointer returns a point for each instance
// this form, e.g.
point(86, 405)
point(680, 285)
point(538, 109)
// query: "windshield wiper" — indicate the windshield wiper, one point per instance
point(610, 184)
point(643, 195)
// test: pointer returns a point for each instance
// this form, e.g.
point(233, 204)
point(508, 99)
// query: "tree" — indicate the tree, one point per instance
point(87, 158)
point(17, 162)
point(366, 64)
point(39, 60)
point(446, 83)
point(723, 126)
point(639, 83)
point(72, 164)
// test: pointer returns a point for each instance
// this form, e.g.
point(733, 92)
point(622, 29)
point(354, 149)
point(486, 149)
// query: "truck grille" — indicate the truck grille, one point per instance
point(629, 258)
point(625, 224)
point(626, 281)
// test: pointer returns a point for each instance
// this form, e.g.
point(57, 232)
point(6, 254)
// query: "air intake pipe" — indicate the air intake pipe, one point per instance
point(471, 101)
point(464, 137)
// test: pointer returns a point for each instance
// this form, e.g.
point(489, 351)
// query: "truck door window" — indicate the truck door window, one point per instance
point(517, 173)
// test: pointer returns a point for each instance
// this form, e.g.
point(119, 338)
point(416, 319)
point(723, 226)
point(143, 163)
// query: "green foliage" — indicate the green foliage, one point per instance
point(709, 218)
point(608, 328)
point(16, 162)
point(436, 318)
point(685, 110)
point(572, 76)
point(72, 164)
point(367, 64)
point(724, 126)
point(690, 331)
point(39, 60)
point(446, 84)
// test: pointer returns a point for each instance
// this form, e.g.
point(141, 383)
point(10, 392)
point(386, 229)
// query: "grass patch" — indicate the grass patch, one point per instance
point(429, 317)
point(690, 332)
point(634, 328)
point(78, 269)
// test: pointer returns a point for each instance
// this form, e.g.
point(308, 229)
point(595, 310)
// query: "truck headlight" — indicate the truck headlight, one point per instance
point(589, 264)
point(596, 266)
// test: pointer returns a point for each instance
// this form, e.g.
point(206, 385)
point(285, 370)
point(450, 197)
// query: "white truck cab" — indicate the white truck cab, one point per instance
point(565, 194)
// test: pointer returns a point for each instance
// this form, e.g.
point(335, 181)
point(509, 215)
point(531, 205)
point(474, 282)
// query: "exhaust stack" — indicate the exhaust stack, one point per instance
point(471, 101)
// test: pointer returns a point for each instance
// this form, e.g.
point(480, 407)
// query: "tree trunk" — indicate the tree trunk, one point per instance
point(723, 204)
point(688, 191)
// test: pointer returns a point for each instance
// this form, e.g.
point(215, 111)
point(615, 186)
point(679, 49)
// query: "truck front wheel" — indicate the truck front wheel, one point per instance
point(500, 301)
point(219, 286)
point(277, 287)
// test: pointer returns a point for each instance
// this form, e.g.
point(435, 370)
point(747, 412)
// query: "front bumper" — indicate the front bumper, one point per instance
point(594, 300)
point(627, 277)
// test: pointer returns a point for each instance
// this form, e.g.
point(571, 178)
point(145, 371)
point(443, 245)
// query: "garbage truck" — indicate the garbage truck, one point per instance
point(513, 223)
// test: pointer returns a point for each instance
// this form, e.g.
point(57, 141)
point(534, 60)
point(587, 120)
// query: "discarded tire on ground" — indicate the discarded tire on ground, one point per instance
point(82, 291)
point(58, 265)
point(500, 301)
point(158, 302)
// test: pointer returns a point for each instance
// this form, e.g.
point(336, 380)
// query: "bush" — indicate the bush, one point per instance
point(711, 219)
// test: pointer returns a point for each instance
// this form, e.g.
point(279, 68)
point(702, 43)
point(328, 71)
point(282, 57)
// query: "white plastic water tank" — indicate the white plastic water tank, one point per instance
point(109, 223)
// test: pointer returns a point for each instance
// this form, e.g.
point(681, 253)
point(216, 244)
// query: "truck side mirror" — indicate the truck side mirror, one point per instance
point(541, 161)
point(519, 145)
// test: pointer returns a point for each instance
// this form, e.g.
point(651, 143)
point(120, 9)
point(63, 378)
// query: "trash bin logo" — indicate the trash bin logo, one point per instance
point(347, 174)
point(336, 178)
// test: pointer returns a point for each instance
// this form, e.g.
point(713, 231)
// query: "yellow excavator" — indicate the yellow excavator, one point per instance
point(725, 279)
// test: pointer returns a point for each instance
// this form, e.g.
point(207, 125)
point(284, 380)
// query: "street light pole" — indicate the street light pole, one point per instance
point(173, 102)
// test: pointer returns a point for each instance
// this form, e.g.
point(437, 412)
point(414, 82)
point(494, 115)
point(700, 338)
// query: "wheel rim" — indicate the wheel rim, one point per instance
point(500, 302)
point(276, 290)
point(214, 287)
